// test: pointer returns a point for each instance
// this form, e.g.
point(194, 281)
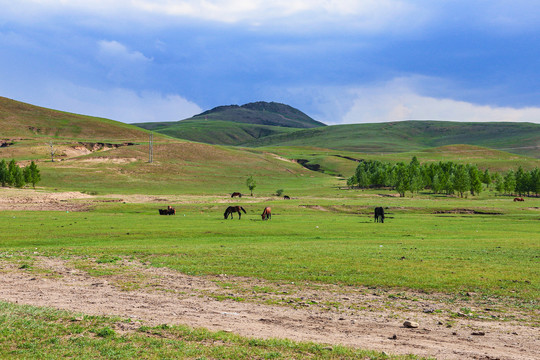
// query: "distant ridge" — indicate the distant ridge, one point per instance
point(261, 113)
point(414, 135)
point(236, 125)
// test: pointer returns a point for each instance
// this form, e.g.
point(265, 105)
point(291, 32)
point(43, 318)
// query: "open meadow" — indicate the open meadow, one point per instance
point(320, 270)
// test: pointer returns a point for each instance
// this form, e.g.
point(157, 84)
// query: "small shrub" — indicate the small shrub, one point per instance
point(106, 332)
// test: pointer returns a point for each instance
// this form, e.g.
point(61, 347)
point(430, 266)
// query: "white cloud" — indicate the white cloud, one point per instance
point(366, 15)
point(118, 51)
point(117, 104)
point(400, 100)
point(124, 65)
point(363, 15)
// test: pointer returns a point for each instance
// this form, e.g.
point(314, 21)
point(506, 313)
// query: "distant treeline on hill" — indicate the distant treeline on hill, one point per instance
point(443, 177)
point(12, 175)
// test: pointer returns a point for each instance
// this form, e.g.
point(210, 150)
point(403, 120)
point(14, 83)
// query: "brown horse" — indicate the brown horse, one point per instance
point(267, 213)
point(234, 194)
point(519, 199)
point(232, 209)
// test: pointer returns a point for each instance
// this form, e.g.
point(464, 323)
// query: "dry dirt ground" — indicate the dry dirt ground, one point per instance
point(450, 327)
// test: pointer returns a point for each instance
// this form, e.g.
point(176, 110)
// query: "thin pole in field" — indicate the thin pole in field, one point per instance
point(151, 148)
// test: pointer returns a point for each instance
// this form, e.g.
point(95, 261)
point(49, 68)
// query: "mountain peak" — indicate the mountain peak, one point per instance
point(261, 113)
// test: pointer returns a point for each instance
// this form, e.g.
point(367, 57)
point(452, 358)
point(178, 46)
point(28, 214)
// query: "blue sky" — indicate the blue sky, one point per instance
point(338, 61)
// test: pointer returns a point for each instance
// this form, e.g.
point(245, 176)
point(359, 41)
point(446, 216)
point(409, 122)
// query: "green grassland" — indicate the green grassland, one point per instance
point(216, 131)
point(343, 163)
point(423, 245)
point(405, 136)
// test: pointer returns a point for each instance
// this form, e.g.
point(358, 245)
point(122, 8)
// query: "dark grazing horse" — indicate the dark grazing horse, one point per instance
point(379, 214)
point(232, 209)
point(287, 197)
point(234, 194)
point(168, 211)
point(519, 199)
point(267, 213)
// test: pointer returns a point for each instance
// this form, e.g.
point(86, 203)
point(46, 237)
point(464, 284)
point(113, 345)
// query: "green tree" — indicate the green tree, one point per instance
point(475, 181)
point(251, 184)
point(414, 176)
point(3, 173)
point(461, 180)
point(17, 177)
point(31, 174)
point(509, 182)
point(521, 181)
point(499, 183)
point(486, 178)
point(12, 170)
point(401, 179)
point(535, 181)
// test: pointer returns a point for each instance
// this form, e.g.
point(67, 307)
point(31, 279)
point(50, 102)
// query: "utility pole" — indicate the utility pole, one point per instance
point(151, 148)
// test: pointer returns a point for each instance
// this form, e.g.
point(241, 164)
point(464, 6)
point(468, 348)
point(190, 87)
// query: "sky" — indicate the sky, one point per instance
point(339, 61)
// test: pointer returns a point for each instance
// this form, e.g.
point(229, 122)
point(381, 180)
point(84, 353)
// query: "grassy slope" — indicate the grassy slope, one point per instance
point(341, 163)
point(521, 138)
point(21, 120)
point(216, 131)
point(185, 167)
point(178, 167)
point(236, 125)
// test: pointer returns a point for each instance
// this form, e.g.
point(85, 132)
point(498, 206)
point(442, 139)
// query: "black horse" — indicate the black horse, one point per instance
point(379, 214)
point(232, 209)
point(236, 194)
point(168, 211)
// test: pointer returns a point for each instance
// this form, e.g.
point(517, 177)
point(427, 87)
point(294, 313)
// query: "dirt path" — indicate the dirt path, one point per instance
point(363, 318)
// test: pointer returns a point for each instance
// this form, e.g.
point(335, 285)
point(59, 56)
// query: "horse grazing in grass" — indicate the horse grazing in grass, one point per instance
point(168, 211)
point(267, 213)
point(519, 199)
point(232, 209)
point(234, 194)
point(287, 197)
point(379, 214)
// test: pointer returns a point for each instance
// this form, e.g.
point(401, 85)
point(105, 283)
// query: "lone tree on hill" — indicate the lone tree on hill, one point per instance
point(251, 184)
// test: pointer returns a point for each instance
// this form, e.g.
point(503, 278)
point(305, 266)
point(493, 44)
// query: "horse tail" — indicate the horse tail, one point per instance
point(241, 208)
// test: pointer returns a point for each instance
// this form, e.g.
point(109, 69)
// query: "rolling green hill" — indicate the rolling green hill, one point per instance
point(264, 124)
point(236, 125)
point(94, 154)
point(216, 131)
point(21, 120)
point(519, 138)
point(101, 155)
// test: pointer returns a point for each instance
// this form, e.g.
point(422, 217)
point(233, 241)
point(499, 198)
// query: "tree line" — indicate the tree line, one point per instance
point(442, 178)
point(12, 175)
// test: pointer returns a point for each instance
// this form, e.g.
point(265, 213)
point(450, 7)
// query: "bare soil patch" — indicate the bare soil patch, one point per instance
point(27, 199)
point(360, 317)
point(467, 211)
